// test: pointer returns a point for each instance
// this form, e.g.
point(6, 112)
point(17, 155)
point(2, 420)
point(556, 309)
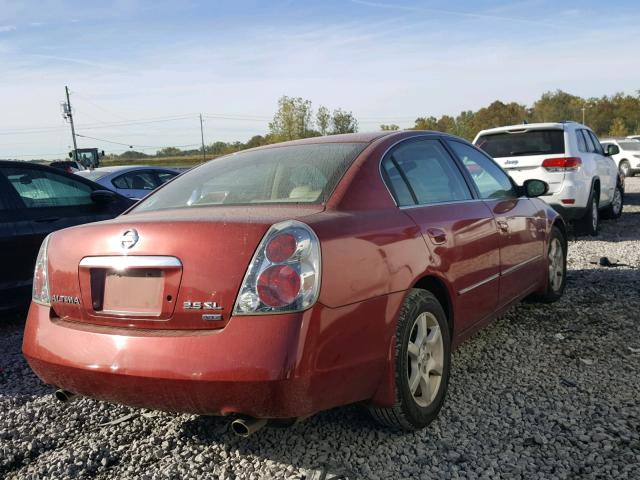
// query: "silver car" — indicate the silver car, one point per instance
point(134, 182)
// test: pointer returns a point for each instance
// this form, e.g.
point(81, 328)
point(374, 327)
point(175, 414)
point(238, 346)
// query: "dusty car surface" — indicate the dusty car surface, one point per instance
point(281, 281)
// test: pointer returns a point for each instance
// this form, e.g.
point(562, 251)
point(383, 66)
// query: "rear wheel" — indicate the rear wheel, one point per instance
point(625, 168)
point(422, 364)
point(614, 210)
point(590, 223)
point(556, 267)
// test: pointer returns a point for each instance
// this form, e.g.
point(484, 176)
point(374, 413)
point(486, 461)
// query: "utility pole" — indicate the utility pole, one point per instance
point(202, 138)
point(69, 115)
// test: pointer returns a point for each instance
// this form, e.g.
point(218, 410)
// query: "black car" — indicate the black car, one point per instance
point(36, 200)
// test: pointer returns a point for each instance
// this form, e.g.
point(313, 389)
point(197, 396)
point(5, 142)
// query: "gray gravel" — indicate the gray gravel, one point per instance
point(545, 392)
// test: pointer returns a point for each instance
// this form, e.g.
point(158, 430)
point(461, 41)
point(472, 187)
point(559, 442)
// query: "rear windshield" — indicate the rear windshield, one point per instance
point(516, 144)
point(288, 174)
point(630, 145)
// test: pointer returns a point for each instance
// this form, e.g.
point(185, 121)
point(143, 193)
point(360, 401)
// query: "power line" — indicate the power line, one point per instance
point(133, 145)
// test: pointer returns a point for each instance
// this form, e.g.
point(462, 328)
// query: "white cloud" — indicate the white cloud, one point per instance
point(7, 28)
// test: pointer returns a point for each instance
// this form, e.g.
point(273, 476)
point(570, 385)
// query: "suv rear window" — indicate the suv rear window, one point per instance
point(288, 174)
point(521, 143)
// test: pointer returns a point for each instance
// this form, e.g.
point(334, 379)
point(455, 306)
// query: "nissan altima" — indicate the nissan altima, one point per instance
point(281, 281)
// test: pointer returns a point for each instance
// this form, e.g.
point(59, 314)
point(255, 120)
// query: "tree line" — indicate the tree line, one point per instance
point(617, 115)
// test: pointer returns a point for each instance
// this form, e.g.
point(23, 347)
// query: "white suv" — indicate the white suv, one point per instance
point(583, 179)
point(628, 158)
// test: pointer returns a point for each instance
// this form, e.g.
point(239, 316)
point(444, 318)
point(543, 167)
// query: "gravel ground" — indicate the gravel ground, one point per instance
point(545, 392)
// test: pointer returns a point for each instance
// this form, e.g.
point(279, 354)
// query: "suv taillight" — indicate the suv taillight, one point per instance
point(563, 164)
point(40, 291)
point(284, 274)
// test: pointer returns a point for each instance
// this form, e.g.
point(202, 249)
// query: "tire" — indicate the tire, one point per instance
point(421, 316)
point(590, 223)
point(625, 168)
point(614, 210)
point(556, 268)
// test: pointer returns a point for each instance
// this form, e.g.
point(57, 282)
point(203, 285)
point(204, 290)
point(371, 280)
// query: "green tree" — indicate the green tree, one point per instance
point(343, 122)
point(169, 152)
point(558, 106)
point(292, 120)
point(256, 141)
point(323, 120)
point(426, 123)
point(618, 128)
point(389, 127)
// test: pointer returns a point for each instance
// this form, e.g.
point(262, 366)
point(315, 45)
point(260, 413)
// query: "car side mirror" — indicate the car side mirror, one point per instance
point(611, 150)
point(103, 197)
point(535, 188)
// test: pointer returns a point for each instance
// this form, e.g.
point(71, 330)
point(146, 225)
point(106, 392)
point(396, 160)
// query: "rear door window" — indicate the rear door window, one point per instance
point(591, 148)
point(522, 142)
point(164, 177)
point(144, 180)
point(596, 142)
point(423, 172)
point(41, 188)
point(582, 143)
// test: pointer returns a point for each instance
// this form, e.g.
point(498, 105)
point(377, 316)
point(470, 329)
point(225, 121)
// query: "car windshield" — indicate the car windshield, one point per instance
point(630, 146)
point(287, 174)
point(524, 142)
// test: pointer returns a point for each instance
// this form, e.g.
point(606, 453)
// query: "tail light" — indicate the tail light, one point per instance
point(563, 164)
point(284, 274)
point(40, 292)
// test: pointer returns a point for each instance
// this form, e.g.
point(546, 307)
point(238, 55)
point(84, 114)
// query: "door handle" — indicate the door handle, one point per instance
point(47, 219)
point(503, 225)
point(437, 236)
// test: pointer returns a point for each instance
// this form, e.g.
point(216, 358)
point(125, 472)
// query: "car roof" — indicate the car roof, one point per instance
point(532, 126)
point(128, 168)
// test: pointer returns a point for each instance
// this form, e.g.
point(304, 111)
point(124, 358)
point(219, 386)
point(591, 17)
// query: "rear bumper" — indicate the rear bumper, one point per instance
point(272, 366)
point(574, 190)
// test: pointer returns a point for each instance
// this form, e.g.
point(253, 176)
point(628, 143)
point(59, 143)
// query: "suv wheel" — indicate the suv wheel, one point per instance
point(422, 363)
point(614, 210)
point(625, 168)
point(591, 221)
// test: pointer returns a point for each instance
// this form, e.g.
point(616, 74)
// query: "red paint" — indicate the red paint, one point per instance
point(339, 351)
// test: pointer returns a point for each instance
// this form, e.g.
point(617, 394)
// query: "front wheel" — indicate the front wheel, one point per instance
point(422, 364)
point(614, 210)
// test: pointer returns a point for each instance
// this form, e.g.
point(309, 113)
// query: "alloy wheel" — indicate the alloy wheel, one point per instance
point(425, 353)
point(556, 264)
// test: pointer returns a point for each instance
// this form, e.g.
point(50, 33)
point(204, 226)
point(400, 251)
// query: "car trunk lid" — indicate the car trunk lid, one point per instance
point(176, 269)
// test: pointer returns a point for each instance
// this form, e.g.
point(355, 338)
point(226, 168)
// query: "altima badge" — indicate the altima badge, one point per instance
point(65, 299)
point(129, 239)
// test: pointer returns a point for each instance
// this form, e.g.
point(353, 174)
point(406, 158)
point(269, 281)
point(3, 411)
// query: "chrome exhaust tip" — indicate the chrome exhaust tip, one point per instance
point(64, 396)
point(244, 427)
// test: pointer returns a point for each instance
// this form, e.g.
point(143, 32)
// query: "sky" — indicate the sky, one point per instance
point(141, 71)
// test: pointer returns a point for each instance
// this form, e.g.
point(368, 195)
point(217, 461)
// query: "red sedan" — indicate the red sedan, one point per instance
point(289, 279)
